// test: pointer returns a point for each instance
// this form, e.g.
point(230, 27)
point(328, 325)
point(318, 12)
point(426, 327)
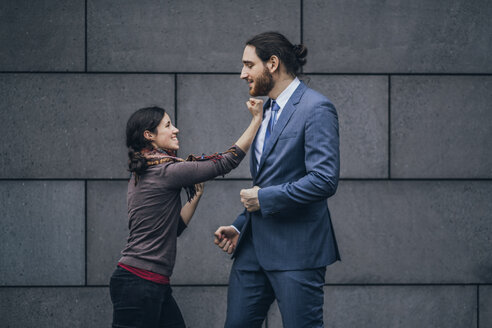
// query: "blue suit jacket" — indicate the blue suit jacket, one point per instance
point(298, 171)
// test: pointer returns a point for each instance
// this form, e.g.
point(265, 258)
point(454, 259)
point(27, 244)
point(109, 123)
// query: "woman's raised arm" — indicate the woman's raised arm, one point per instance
point(255, 107)
point(189, 173)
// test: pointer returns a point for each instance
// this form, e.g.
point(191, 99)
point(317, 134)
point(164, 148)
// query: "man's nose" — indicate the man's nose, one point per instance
point(243, 74)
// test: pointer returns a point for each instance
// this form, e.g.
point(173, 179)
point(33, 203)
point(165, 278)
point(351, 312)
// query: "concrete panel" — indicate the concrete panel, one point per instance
point(396, 307)
point(42, 233)
point(199, 260)
point(362, 106)
point(405, 36)
point(107, 228)
point(73, 126)
point(412, 232)
point(55, 307)
point(212, 115)
point(202, 306)
point(485, 306)
point(441, 127)
point(42, 35)
point(361, 102)
point(92, 307)
point(181, 36)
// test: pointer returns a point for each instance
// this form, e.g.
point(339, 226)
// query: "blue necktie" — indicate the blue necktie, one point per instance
point(271, 123)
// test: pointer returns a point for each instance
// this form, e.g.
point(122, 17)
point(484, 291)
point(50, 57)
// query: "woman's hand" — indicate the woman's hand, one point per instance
point(189, 208)
point(199, 189)
point(255, 107)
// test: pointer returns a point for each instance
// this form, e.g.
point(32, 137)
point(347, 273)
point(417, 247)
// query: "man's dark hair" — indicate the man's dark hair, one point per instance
point(268, 44)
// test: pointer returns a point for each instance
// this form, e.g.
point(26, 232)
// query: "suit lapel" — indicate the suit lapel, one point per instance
point(284, 118)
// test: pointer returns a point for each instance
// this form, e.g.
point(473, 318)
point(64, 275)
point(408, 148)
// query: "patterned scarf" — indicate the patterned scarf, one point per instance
point(160, 156)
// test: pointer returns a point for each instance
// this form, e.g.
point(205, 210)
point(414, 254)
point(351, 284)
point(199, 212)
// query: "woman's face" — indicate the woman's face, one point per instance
point(165, 136)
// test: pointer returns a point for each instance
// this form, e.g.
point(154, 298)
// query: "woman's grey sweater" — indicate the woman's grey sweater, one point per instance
point(154, 207)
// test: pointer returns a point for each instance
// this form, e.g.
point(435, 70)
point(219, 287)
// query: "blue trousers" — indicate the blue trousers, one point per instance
point(252, 290)
point(140, 303)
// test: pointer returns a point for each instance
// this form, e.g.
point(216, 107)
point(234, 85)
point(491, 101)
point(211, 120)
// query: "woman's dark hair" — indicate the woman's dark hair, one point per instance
point(143, 119)
point(268, 44)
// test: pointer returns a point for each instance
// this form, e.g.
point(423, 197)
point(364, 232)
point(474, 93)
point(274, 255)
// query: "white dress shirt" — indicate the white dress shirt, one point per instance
point(281, 100)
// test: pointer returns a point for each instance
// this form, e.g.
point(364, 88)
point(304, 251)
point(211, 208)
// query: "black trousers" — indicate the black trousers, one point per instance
point(140, 303)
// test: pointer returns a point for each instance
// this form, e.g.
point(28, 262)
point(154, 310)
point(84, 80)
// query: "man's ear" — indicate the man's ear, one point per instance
point(273, 64)
point(148, 135)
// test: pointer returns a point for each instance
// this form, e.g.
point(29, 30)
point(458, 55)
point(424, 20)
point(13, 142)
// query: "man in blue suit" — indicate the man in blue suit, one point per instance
point(284, 239)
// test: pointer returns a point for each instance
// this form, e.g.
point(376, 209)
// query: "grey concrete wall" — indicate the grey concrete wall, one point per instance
point(412, 83)
point(396, 306)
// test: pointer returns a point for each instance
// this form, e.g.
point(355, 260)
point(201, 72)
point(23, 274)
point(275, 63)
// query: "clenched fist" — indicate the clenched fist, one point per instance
point(226, 238)
point(249, 198)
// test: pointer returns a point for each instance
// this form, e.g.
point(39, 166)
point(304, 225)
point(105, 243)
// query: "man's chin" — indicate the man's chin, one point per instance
point(254, 93)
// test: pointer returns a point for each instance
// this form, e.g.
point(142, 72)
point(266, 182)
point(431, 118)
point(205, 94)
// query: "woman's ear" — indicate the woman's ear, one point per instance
point(148, 135)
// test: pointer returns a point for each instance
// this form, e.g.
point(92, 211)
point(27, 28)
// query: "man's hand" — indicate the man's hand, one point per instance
point(249, 198)
point(226, 238)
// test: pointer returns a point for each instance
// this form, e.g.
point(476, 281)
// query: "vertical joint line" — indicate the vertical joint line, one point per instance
point(301, 28)
point(176, 100)
point(302, 21)
point(389, 126)
point(478, 306)
point(85, 32)
point(85, 232)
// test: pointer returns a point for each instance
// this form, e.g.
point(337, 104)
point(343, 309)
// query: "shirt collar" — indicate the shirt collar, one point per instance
point(284, 97)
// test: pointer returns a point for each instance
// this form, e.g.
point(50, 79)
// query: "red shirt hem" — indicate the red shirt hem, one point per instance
point(145, 274)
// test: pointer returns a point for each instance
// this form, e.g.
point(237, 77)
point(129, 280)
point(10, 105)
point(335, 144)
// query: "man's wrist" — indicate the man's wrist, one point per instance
point(238, 232)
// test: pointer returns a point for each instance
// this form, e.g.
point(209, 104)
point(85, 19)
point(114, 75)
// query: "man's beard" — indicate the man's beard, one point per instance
point(263, 84)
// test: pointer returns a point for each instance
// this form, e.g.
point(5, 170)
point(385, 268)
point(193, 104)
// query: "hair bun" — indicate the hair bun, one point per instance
point(301, 52)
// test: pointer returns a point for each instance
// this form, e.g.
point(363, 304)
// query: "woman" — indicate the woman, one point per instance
point(139, 286)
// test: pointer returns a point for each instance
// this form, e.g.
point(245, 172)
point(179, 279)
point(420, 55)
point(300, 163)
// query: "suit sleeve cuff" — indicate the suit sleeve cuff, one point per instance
point(266, 202)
